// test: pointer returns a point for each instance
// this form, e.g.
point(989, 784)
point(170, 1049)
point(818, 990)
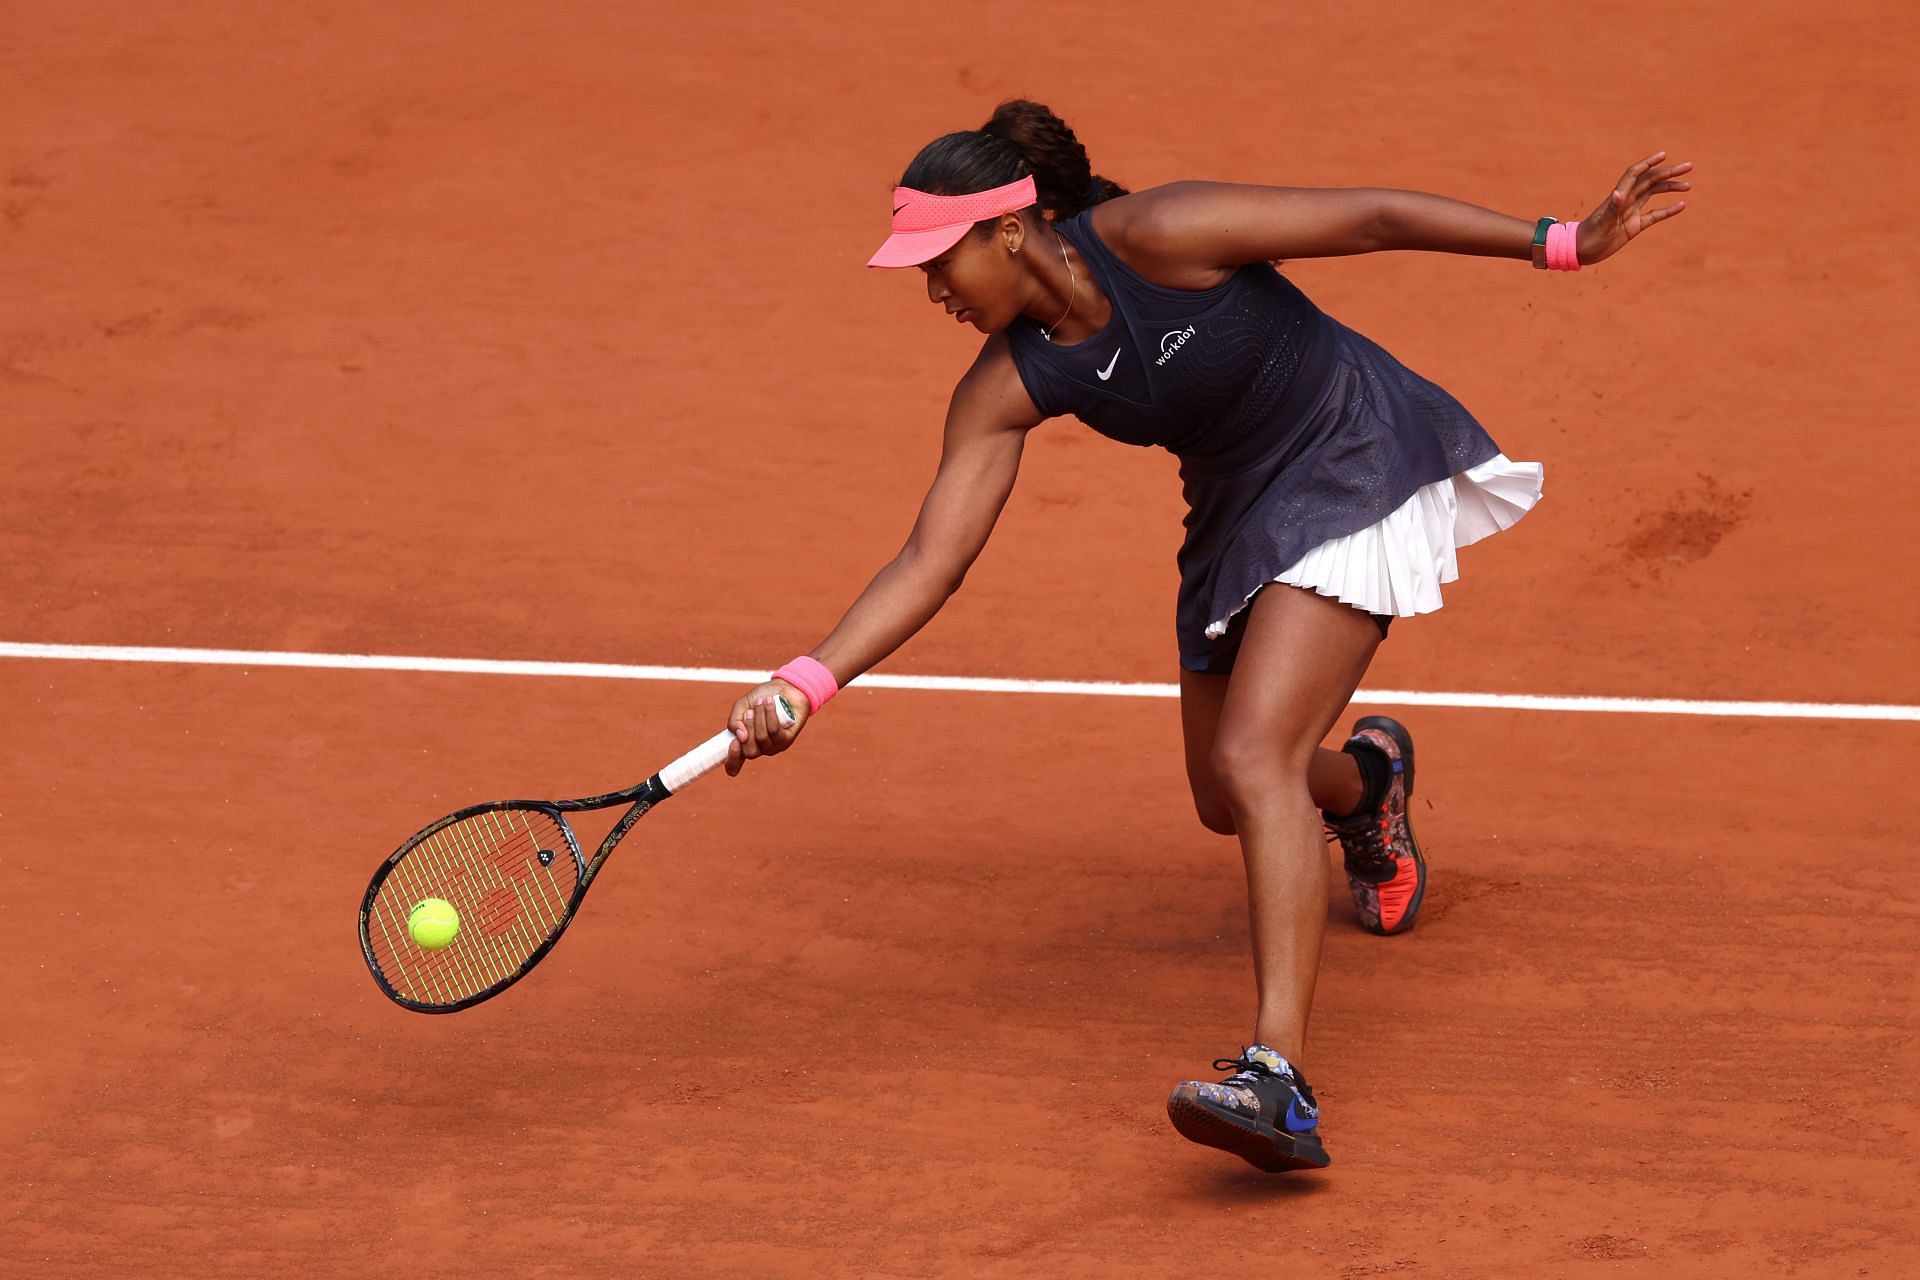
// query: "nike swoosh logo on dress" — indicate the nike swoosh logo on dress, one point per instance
point(1108, 371)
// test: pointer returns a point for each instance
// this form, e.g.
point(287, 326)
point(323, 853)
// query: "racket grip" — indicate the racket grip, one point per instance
point(711, 754)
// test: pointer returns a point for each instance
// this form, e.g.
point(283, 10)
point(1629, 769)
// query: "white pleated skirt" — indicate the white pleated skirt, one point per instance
point(1397, 567)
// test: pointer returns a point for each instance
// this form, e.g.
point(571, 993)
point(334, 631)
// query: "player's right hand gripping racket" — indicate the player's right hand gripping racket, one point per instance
point(514, 871)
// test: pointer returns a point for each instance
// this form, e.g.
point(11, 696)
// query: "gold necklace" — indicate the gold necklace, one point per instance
point(1073, 286)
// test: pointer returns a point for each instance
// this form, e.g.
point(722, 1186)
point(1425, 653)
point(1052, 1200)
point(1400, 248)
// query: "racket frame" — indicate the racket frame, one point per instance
point(642, 797)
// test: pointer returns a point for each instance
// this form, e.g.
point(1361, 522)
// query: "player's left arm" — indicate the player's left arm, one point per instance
point(1189, 226)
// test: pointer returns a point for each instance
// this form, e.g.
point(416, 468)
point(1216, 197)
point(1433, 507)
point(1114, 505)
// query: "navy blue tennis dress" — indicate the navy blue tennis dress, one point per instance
point(1308, 455)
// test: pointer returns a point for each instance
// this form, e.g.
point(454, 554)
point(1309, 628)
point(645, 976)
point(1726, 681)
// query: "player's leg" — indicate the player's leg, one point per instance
point(1361, 790)
point(1333, 777)
point(1300, 660)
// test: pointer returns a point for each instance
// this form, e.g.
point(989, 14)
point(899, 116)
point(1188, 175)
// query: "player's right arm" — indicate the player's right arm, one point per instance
point(987, 424)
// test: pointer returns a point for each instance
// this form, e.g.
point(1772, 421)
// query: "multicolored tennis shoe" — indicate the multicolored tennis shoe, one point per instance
point(1384, 867)
point(1264, 1112)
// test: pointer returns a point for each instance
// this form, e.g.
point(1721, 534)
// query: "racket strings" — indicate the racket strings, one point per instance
point(510, 874)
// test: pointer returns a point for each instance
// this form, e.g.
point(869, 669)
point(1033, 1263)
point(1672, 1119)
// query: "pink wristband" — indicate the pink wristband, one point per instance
point(1563, 252)
point(811, 678)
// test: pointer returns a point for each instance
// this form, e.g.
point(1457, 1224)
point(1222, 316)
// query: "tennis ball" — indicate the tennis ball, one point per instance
point(433, 923)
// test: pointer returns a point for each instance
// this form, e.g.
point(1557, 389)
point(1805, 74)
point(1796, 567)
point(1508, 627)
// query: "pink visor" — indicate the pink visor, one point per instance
point(926, 226)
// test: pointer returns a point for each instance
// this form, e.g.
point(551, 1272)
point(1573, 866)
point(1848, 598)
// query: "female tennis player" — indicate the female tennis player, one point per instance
point(1328, 487)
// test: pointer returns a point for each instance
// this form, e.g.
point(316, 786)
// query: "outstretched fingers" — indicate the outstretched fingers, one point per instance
point(1667, 179)
point(1642, 181)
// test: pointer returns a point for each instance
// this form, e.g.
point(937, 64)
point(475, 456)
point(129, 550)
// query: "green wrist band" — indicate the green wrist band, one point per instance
point(1540, 243)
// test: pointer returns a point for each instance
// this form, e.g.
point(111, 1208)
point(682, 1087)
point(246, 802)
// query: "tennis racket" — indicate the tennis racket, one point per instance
point(514, 872)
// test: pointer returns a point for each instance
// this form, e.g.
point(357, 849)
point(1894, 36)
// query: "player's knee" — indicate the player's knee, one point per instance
point(1250, 767)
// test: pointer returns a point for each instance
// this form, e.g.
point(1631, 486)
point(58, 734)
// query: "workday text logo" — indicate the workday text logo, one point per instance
point(1172, 341)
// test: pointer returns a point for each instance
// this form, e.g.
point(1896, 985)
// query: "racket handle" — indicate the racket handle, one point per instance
point(711, 754)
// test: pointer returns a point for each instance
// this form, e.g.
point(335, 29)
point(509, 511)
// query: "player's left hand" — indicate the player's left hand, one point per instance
point(1624, 213)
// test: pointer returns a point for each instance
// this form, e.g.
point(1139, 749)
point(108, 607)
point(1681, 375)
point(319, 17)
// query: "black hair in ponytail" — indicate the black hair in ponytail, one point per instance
point(1022, 138)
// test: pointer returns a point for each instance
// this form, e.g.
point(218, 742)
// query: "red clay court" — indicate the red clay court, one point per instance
point(489, 331)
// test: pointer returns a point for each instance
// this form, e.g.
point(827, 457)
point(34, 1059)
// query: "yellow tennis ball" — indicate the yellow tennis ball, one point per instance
point(433, 923)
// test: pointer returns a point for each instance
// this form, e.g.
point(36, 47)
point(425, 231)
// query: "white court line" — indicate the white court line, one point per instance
point(957, 684)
